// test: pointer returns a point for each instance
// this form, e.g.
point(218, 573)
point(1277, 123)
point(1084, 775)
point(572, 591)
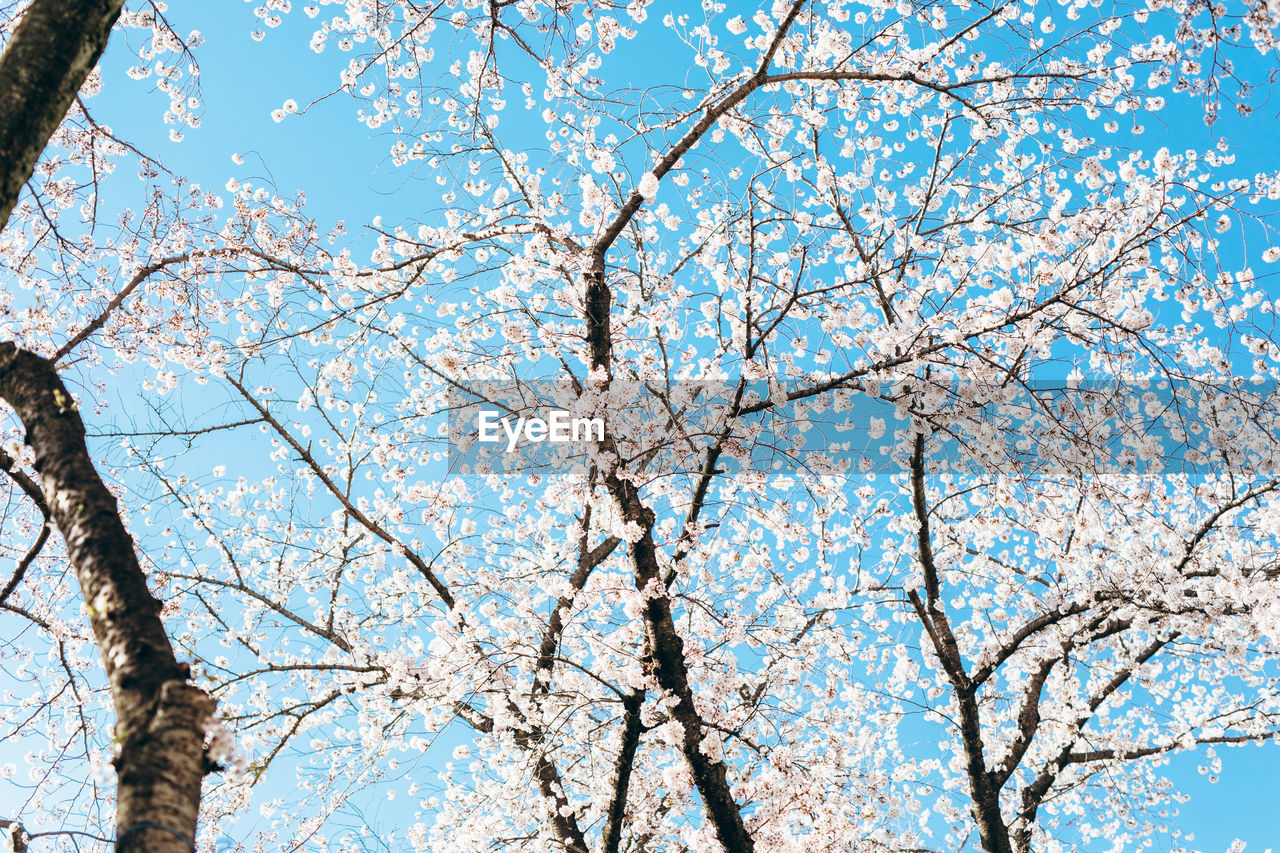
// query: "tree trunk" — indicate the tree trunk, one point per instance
point(16, 836)
point(710, 775)
point(160, 717)
point(42, 68)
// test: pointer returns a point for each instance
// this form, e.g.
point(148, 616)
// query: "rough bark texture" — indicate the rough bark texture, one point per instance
point(160, 717)
point(14, 835)
point(46, 61)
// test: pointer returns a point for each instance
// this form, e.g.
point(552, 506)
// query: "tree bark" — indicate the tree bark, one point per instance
point(160, 717)
point(984, 786)
point(43, 67)
point(710, 775)
point(611, 836)
point(15, 835)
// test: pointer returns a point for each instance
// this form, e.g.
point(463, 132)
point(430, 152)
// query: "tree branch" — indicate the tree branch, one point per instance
point(42, 68)
point(367, 523)
point(160, 717)
point(983, 788)
point(612, 834)
point(17, 836)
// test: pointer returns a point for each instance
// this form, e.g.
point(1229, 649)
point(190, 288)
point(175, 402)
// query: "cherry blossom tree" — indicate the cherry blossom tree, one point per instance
point(717, 627)
point(160, 725)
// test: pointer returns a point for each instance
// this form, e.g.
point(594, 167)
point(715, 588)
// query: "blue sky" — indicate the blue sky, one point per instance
point(347, 175)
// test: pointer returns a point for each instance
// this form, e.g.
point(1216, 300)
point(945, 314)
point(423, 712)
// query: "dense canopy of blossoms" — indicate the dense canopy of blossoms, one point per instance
point(1061, 569)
